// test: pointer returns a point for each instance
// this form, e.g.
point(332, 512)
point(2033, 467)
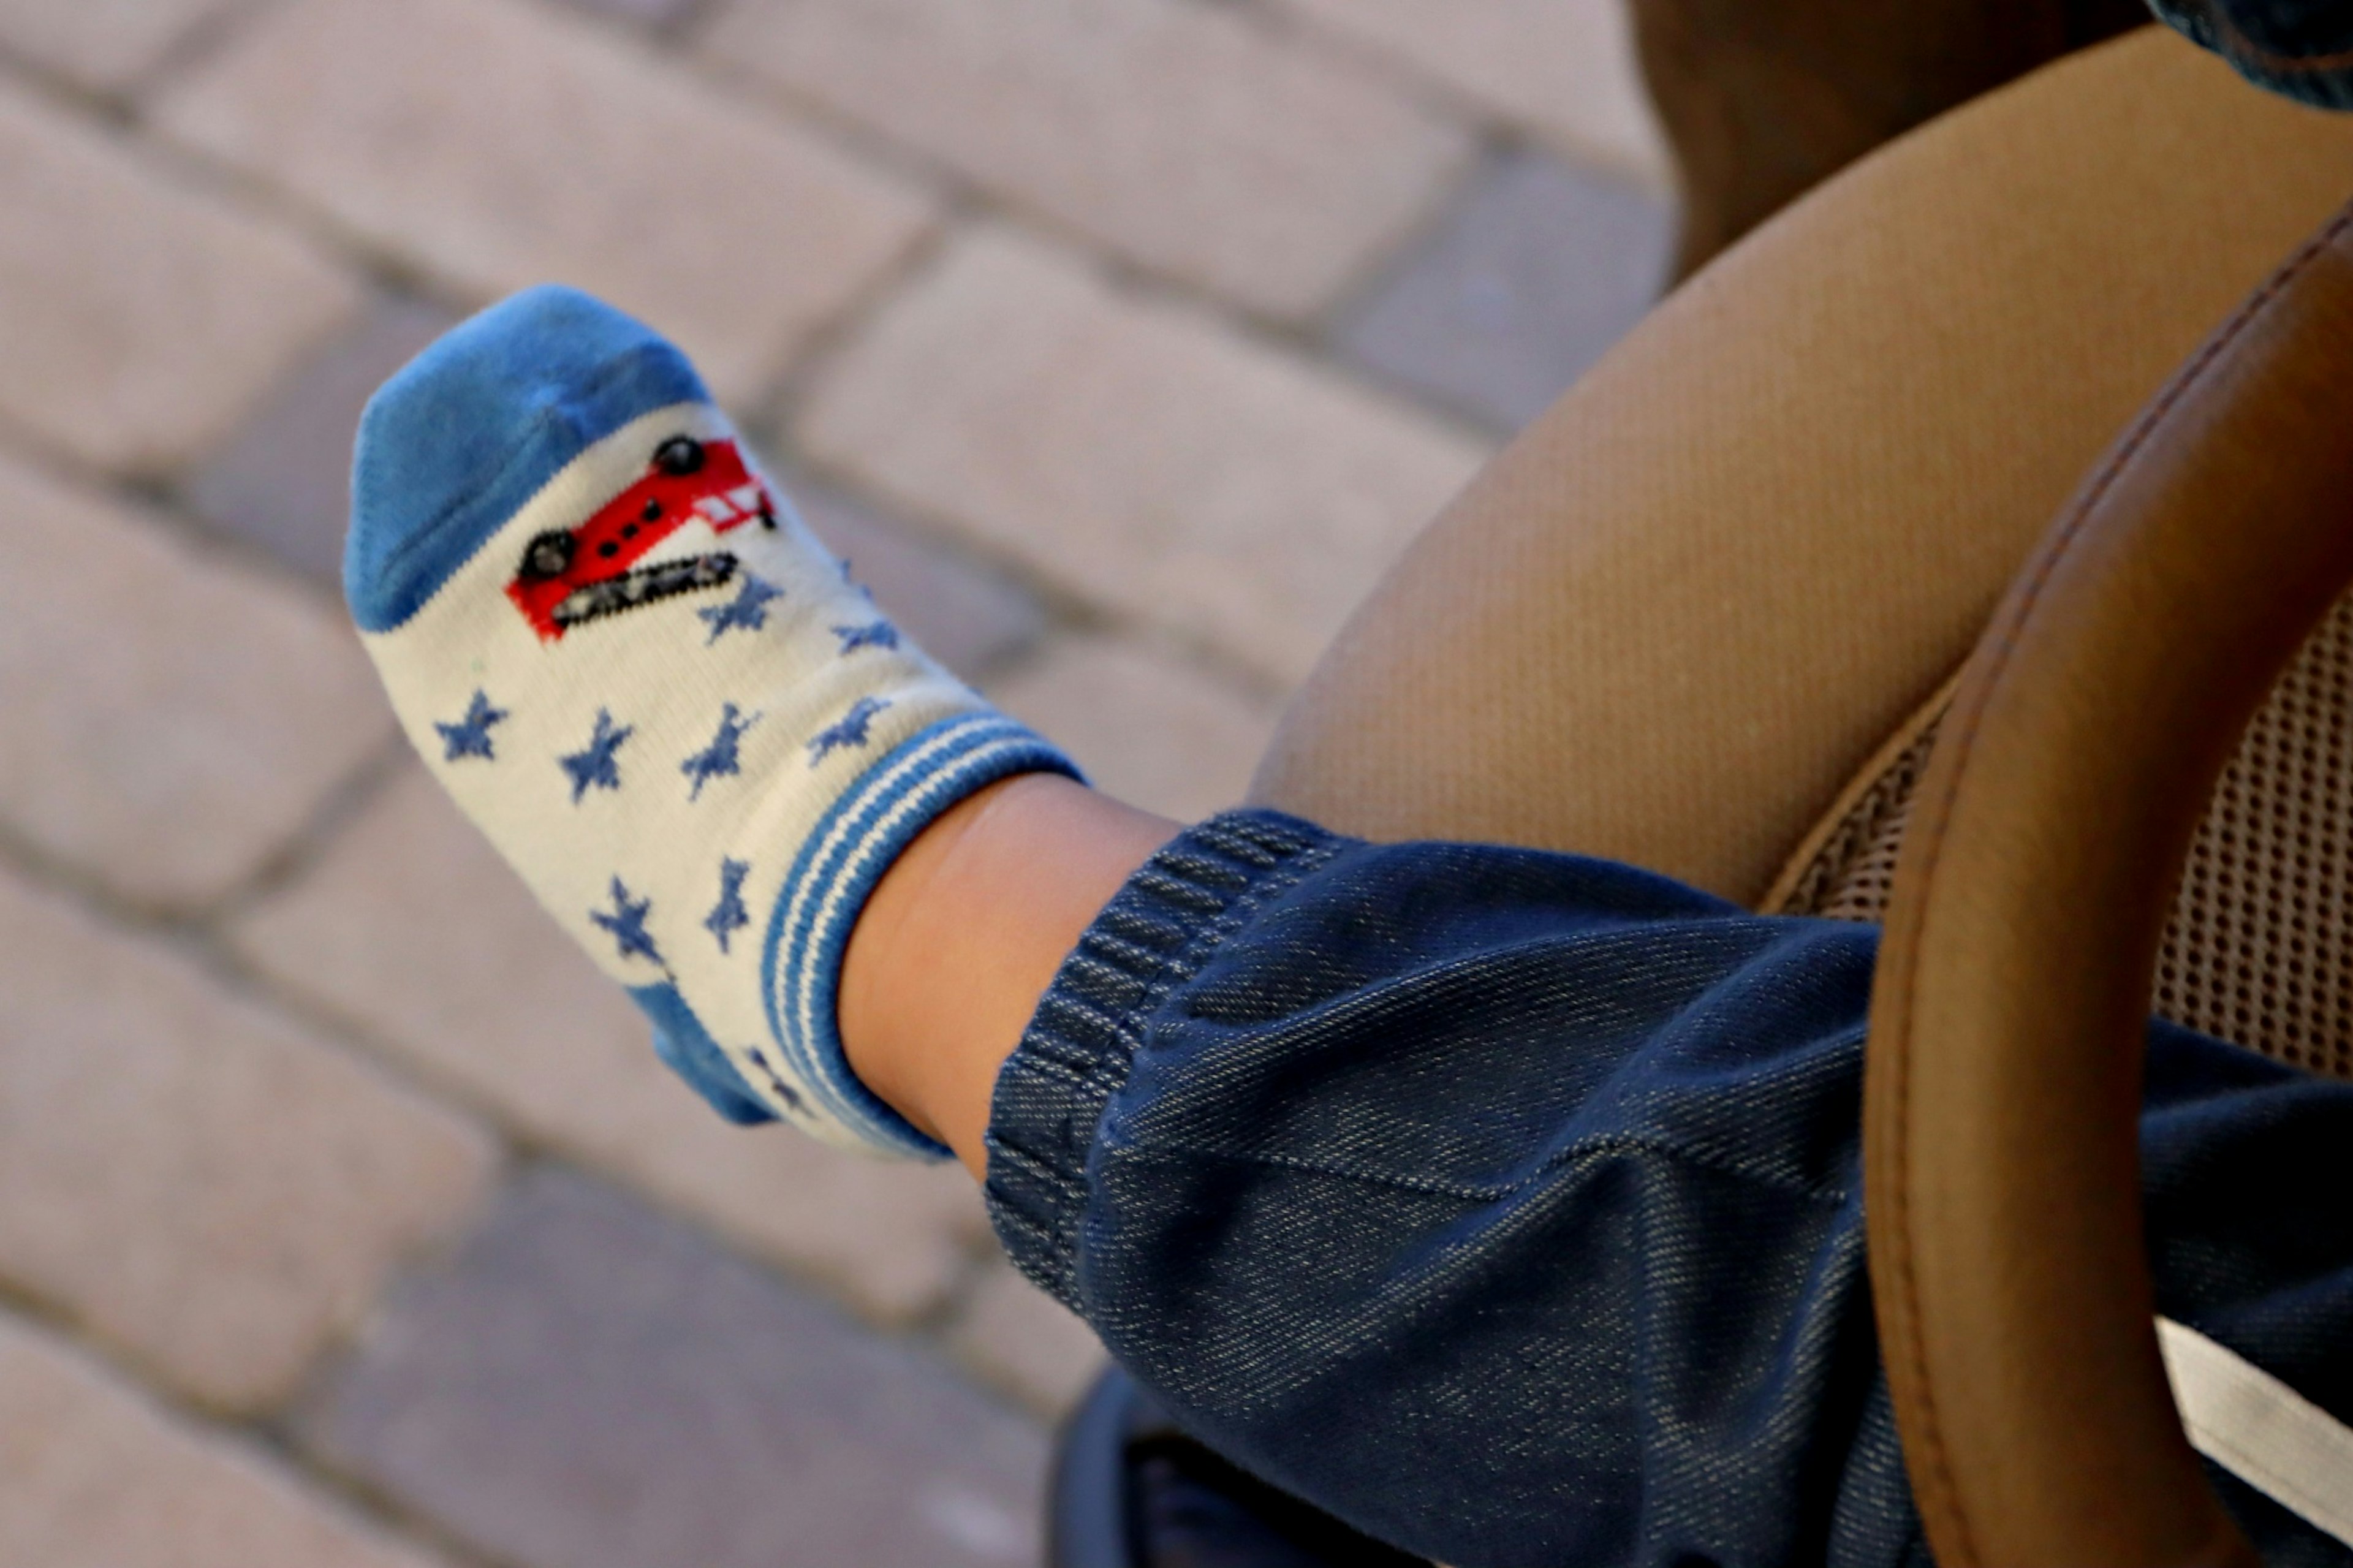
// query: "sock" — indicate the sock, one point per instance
point(662, 700)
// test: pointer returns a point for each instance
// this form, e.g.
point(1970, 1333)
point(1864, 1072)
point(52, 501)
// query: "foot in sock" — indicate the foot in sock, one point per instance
point(660, 696)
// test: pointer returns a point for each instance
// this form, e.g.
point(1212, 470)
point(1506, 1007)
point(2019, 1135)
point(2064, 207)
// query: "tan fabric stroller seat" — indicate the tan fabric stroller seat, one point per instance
point(1756, 538)
point(1707, 615)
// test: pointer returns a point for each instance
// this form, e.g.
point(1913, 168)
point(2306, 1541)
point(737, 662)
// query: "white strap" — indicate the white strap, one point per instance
point(2260, 1430)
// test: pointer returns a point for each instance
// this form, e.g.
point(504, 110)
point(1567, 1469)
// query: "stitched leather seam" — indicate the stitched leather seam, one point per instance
point(1935, 1461)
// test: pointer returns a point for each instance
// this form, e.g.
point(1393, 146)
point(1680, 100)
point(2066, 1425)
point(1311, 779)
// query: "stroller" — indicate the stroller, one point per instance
point(1919, 701)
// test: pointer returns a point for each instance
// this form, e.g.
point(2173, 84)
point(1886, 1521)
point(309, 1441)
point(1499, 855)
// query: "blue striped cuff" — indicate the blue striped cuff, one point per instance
point(850, 849)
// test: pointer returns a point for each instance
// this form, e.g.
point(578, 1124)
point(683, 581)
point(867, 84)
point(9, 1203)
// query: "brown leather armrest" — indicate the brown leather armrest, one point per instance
point(2001, 1170)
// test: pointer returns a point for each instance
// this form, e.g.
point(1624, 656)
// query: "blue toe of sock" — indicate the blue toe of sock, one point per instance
point(472, 428)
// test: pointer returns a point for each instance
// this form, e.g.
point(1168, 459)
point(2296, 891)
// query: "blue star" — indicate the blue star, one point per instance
point(728, 915)
point(881, 633)
point(718, 759)
point(747, 609)
point(849, 729)
point(627, 923)
point(593, 763)
point(471, 736)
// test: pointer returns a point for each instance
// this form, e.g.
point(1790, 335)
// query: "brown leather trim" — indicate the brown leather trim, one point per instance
point(2000, 1165)
point(1793, 873)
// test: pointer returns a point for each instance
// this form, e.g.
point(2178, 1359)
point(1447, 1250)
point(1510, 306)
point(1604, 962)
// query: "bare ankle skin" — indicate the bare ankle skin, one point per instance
point(963, 935)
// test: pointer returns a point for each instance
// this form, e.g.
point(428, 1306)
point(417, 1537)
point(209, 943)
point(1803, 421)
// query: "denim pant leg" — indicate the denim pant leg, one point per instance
point(2303, 48)
point(1507, 1205)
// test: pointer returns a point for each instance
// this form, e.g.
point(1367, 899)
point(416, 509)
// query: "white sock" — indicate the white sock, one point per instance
point(661, 697)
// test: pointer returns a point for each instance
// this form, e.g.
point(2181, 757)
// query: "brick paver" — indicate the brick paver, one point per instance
point(1118, 343)
point(203, 1182)
point(93, 1474)
point(180, 715)
point(283, 482)
point(501, 143)
point(416, 932)
point(1139, 451)
point(1530, 280)
point(1564, 69)
point(1143, 725)
point(1187, 137)
point(646, 12)
point(588, 1386)
point(142, 319)
point(1026, 1342)
point(106, 44)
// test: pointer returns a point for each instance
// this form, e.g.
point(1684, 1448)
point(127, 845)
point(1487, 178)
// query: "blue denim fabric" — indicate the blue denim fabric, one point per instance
point(1507, 1205)
point(2300, 47)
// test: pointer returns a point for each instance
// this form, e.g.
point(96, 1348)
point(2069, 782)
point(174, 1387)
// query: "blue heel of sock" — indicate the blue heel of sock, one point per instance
point(682, 1041)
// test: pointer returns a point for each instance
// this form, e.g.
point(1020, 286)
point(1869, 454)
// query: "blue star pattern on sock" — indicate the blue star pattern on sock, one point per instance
point(471, 736)
point(785, 1091)
point(595, 476)
point(849, 729)
point(593, 764)
point(719, 758)
point(748, 609)
point(881, 633)
point(728, 915)
point(627, 921)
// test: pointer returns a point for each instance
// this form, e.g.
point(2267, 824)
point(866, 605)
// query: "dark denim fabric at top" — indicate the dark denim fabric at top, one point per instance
point(2303, 48)
point(1507, 1205)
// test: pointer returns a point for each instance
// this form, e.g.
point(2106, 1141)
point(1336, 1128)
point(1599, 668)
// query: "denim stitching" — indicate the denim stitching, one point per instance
point(1579, 1151)
point(1224, 868)
point(1180, 967)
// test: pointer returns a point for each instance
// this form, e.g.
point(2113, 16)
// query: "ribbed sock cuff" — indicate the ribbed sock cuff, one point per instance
point(852, 845)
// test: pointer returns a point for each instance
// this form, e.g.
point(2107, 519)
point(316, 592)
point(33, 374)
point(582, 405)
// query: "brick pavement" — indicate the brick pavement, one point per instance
point(345, 1218)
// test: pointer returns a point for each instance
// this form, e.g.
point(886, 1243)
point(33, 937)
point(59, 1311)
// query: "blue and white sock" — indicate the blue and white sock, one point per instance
point(661, 697)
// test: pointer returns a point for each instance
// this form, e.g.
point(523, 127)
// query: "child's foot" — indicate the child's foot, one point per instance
point(657, 694)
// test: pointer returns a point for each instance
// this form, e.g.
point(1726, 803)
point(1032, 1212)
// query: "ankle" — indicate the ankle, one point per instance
point(963, 936)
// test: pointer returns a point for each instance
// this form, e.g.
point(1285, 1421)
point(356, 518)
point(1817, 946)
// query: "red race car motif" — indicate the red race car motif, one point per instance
point(571, 575)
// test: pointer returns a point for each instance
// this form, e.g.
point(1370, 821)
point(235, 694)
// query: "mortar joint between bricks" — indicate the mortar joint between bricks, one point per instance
point(200, 41)
point(166, 505)
point(842, 134)
point(341, 805)
point(975, 1260)
point(683, 27)
point(777, 407)
point(87, 891)
point(1365, 283)
point(1435, 95)
point(112, 110)
point(364, 258)
point(1307, 339)
point(265, 1431)
point(964, 200)
point(380, 1506)
point(1067, 611)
